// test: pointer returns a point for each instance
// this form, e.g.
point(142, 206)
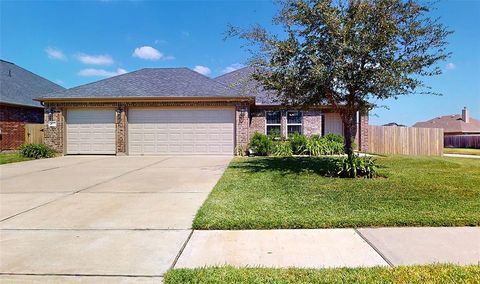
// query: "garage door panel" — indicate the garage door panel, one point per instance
point(90, 131)
point(203, 131)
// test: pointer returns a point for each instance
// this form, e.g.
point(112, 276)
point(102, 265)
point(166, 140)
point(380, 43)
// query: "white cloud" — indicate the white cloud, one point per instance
point(95, 59)
point(185, 34)
point(202, 69)
point(451, 66)
point(147, 52)
point(92, 72)
point(233, 67)
point(55, 53)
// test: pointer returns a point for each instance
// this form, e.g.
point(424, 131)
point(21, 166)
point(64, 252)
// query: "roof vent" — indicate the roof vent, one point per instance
point(465, 115)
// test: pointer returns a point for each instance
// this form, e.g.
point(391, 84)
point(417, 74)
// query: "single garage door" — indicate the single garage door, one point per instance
point(181, 131)
point(90, 131)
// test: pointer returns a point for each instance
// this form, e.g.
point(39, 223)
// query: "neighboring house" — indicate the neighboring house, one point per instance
point(454, 125)
point(174, 111)
point(18, 88)
point(394, 124)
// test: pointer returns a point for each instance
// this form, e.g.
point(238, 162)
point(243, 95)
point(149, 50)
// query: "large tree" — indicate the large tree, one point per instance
point(349, 54)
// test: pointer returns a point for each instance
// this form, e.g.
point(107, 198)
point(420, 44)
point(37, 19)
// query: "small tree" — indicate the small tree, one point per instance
point(347, 54)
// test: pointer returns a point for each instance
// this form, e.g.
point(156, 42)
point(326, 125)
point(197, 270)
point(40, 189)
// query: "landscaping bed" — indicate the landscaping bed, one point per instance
point(402, 274)
point(293, 192)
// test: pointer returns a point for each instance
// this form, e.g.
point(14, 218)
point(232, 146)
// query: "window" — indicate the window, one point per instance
point(294, 122)
point(273, 123)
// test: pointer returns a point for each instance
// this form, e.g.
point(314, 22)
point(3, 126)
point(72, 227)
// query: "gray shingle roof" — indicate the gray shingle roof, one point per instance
point(451, 124)
point(240, 83)
point(19, 86)
point(149, 82)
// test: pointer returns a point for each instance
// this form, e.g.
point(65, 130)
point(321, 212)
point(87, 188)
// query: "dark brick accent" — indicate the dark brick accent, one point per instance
point(12, 124)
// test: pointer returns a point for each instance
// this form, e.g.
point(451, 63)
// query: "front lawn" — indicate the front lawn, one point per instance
point(402, 274)
point(6, 158)
point(463, 151)
point(293, 192)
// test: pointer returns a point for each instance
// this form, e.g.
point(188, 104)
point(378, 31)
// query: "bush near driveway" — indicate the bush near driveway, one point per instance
point(293, 192)
point(402, 274)
point(36, 151)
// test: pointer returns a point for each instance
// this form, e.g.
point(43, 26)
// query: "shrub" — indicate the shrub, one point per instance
point(356, 166)
point(298, 143)
point(316, 146)
point(274, 134)
point(332, 137)
point(261, 144)
point(282, 149)
point(36, 151)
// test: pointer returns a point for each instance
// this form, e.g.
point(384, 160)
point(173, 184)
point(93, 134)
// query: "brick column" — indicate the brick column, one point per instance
point(312, 123)
point(241, 127)
point(54, 134)
point(363, 132)
point(121, 129)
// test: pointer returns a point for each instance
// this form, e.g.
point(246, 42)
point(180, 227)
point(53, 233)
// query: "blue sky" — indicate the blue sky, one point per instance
point(73, 43)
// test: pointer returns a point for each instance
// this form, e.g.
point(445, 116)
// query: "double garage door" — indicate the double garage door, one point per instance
point(153, 131)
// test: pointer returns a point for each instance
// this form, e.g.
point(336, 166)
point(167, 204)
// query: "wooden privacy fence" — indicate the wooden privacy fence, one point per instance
point(467, 141)
point(34, 133)
point(405, 140)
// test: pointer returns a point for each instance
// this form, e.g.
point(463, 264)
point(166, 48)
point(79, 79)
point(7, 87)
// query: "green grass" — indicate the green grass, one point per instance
point(293, 192)
point(6, 158)
point(464, 151)
point(402, 274)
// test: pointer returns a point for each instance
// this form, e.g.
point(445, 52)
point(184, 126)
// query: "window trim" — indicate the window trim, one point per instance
point(295, 124)
point(273, 124)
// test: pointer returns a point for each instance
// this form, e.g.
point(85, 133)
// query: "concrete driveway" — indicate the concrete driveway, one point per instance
point(108, 218)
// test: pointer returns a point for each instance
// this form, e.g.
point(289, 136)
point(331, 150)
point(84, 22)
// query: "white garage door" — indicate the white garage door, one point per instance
point(90, 131)
point(181, 131)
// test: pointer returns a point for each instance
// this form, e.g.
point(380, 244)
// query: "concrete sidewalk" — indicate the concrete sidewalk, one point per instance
point(323, 248)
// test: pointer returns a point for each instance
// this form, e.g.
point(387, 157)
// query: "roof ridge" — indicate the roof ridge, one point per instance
point(26, 70)
point(232, 72)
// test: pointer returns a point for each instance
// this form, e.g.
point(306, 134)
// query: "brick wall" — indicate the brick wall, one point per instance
point(12, 124)
point(53, 136)
point(241, 126)
point(363, 132)
point(312, 123)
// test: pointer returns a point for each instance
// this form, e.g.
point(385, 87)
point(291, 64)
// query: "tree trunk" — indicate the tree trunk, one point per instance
point(349, 130)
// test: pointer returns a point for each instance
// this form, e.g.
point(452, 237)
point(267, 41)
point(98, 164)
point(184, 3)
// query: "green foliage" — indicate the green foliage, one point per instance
point(355, 166)
point(318, 146)
point(261, 144)
point(298, 143)
point(274, 134)
point(282, 148)
point(241, 151)
point(354, 54)
point(332, 137)
point(36, 151)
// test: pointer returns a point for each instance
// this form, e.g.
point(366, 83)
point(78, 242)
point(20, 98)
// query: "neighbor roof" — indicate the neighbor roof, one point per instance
point(19, 86)
point(451, 124)
point(241, 83)
point(147, 83)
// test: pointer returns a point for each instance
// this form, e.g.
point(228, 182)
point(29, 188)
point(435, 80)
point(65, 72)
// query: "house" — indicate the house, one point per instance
point(454, 125)
point(18, 88)
point(171, 111)
point(394, 124)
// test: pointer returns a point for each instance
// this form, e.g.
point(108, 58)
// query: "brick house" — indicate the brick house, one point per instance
point(171, 111)
point(18, 88)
